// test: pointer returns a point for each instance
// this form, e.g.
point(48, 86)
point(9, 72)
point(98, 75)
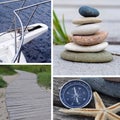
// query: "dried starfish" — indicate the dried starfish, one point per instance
point(100, 112)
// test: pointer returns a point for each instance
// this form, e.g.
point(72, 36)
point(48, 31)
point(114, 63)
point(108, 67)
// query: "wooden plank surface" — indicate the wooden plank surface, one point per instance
point(58, 82)
point(62, 116)
point(26, 100)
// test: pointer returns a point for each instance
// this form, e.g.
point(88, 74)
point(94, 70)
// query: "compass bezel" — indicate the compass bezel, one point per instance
point(75, 80)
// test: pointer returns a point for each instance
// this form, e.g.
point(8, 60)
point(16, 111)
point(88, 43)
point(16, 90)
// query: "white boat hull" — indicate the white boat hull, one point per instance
point(7, 54)
point(7, 42)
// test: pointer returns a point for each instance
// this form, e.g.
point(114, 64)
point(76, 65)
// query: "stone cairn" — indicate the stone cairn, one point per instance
point(88, 42)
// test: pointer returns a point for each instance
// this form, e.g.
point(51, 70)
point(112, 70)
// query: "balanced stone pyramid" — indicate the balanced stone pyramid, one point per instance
point(88, 41)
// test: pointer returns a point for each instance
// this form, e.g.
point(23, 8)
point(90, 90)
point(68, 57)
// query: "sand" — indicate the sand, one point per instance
point(3, 110)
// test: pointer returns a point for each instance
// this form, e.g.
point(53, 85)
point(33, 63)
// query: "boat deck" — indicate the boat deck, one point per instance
point(26, 100)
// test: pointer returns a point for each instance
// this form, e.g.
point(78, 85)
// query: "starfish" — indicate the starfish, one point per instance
point(100, 112)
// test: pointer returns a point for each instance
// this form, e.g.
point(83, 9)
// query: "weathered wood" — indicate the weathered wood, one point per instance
point(61, 116)
point(116, 79)
point(103, 86)
point(58, 82)
point(26, 100)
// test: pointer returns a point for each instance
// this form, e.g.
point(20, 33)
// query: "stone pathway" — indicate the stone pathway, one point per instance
point(26, 100)
point(63, 67)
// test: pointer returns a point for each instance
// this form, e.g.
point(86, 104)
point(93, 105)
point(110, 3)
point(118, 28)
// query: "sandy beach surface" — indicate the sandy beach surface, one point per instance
point(3, 110)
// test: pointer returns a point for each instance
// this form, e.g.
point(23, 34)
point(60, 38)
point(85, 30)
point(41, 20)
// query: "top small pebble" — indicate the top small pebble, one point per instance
point(87, 11)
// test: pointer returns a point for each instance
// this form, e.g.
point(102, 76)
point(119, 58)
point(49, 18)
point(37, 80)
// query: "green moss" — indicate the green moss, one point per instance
point(2, 83)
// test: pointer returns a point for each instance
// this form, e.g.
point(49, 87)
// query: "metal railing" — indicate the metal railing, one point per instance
point(7, 2)
point(16, 58)
point(18, 52)
point(10, 1)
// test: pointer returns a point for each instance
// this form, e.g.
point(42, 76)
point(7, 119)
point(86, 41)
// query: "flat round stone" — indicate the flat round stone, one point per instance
point(88, 20)
point(86, 29)
point(87, 11)
point(99, 57)
point(77, 48)
point(103, 86)
point(97, 38)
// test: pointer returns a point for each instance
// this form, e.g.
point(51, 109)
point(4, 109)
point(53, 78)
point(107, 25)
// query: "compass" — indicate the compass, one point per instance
point(75, 94)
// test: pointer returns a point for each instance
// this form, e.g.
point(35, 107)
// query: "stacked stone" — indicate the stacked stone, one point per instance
point(88, 42)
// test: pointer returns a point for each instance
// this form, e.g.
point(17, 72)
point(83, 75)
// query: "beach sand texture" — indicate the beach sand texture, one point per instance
point(3, 109)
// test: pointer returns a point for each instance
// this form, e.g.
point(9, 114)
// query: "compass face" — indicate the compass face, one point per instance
point(75, 93)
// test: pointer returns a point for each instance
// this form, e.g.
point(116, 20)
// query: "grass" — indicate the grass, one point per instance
point(7, 70)
point(33, 68)
point(60, 36)
point(44, 78)
point(2, 83)
point(43, 73)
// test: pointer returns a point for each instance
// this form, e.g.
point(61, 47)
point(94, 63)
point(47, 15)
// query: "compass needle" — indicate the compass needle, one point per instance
point(77, 100)
point(78, 92)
